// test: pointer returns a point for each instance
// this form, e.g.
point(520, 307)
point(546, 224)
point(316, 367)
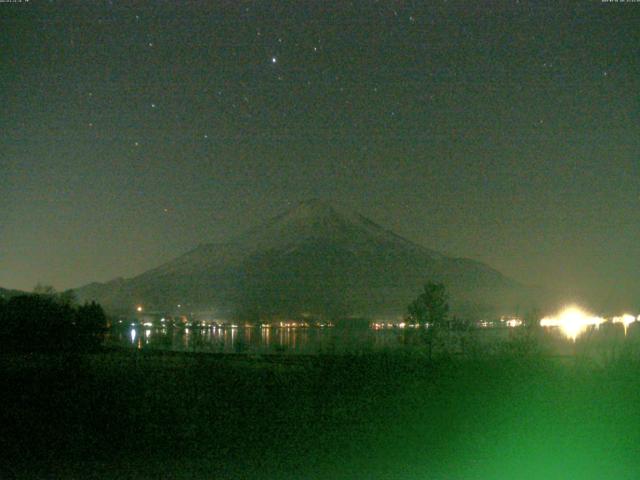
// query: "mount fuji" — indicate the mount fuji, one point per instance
point(315, 259)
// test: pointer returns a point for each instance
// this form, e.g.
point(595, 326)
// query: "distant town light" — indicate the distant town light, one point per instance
point(572, 321)
point(513, 322)
point(625, 319)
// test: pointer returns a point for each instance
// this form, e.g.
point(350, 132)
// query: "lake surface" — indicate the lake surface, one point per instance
point(312, 340)
point(609, 340)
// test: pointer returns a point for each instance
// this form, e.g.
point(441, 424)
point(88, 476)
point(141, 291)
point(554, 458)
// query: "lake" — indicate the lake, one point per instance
point(607, 340)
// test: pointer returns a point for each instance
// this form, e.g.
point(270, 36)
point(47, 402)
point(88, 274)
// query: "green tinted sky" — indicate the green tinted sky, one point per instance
point(507, 131)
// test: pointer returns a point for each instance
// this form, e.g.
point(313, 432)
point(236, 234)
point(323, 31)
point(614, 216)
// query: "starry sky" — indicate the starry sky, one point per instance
point(508, 132)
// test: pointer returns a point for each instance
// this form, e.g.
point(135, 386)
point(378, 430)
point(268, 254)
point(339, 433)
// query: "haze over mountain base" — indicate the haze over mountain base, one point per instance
point(317, 260)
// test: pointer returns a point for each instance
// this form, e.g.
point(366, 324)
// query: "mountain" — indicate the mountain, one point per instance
point(316, 259)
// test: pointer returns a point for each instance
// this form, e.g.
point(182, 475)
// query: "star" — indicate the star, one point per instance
point(274, 60)
point(153, 105)
point(136, 144)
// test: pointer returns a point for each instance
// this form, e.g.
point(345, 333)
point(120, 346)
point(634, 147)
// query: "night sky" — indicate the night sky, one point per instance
point(508, 132)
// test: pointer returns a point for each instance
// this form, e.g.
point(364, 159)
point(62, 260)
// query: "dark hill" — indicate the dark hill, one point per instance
point(315, 258)
point(7, 294)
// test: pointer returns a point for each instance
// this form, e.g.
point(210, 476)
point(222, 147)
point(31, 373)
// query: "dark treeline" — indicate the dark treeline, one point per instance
point(49, 321)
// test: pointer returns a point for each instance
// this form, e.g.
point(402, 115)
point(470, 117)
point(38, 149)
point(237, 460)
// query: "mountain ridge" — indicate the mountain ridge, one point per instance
point(314, 257)
point(7, 293)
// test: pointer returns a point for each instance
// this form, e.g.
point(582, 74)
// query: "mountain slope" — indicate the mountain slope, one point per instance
point(316, 258)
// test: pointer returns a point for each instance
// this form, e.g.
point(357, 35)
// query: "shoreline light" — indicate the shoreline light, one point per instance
point(625, 319)
point(572, 321)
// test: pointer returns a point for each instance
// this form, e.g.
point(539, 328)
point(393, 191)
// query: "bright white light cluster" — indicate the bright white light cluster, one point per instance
point(625, 320)
point(513, 322)
point(574, 321)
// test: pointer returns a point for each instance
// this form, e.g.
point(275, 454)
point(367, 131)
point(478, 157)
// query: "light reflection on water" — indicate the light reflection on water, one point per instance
point(574, 322)
point(342, 340)
point(262, 340)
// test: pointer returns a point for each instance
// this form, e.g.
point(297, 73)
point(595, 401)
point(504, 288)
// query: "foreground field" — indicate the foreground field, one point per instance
point(151, 415)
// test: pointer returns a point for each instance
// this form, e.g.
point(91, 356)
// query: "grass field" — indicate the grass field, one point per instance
point(180, 416)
